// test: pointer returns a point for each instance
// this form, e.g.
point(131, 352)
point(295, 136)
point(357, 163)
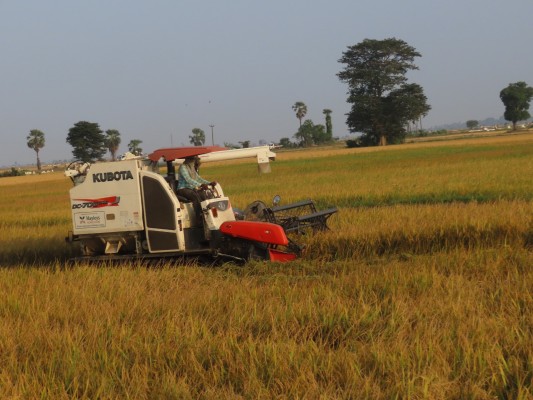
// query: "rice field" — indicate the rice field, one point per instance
point(421, 290)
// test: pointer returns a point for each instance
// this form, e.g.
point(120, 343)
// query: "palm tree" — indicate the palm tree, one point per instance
point(36, 142)
point(112, 141)
point(300, 109)
point(329, 127)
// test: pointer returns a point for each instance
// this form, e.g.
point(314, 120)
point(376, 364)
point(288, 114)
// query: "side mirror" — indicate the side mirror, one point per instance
point(276, 200)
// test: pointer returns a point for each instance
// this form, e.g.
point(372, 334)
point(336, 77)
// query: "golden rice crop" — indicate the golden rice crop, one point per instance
point(417, 229)
point(422, 288)
point(446, 325)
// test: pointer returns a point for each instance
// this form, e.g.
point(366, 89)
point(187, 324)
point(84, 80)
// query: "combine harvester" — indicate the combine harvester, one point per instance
point(127, 210)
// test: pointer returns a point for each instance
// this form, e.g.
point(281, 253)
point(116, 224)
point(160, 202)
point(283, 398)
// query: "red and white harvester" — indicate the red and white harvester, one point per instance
point(126, 210)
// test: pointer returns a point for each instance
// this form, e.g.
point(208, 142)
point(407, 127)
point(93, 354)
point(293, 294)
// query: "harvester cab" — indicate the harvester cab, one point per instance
point(126, 209)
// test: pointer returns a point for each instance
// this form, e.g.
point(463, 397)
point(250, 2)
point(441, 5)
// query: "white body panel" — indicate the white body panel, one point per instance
point(109, 200)
point(217, 210)
point(127, 207)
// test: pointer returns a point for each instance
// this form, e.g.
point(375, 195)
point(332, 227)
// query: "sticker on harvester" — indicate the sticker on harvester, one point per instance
point(111, 201)
point(90, 220)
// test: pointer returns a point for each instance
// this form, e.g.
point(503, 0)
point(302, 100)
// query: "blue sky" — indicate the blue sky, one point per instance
point(155, 70)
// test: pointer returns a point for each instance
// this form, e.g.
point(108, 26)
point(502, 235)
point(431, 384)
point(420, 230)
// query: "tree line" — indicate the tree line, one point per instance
point(308, 133)
point(88, 142)
point(383, 105)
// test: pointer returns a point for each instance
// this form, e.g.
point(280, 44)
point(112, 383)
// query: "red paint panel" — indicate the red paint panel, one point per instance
point(281, 256)
point(263, 232)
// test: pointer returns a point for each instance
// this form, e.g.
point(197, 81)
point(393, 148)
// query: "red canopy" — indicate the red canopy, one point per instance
point(176, 153)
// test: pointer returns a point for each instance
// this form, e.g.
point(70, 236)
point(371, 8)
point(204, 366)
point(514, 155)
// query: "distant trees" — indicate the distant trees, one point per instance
point(112, 141)
point(198, 137)
point(304, 134)
point(472, 123)
point(35, 140)
point(286, 142)
point(382, 101)
point(133, 147)
point(516, 98)
point(300, 109)
point(230, 145)
point(329, 126)
point(12, 172)
point(310, 134)
point(244, 144)
point(87, 140)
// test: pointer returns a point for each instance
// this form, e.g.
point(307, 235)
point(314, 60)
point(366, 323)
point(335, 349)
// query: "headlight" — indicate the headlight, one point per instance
point(220, 205)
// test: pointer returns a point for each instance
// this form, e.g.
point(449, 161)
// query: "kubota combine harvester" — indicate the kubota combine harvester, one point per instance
point(126, 209)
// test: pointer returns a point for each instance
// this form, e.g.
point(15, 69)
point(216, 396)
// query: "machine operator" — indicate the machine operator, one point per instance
point(191, 185)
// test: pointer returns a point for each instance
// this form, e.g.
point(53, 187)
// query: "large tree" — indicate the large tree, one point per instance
point(112, 141)
point(516, 98)
point(300, 109)
point(198, 137)
point(87, 140)
point(35, 140)
point(383, 103)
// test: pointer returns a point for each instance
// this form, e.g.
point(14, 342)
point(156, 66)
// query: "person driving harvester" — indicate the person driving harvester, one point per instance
point(192, 186)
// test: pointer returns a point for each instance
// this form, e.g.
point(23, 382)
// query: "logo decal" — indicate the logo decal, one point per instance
point(112, 176)
point(89, 220)
point(97, 203)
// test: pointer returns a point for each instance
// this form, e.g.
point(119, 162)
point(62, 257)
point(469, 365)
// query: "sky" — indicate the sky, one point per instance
point(154, 70)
